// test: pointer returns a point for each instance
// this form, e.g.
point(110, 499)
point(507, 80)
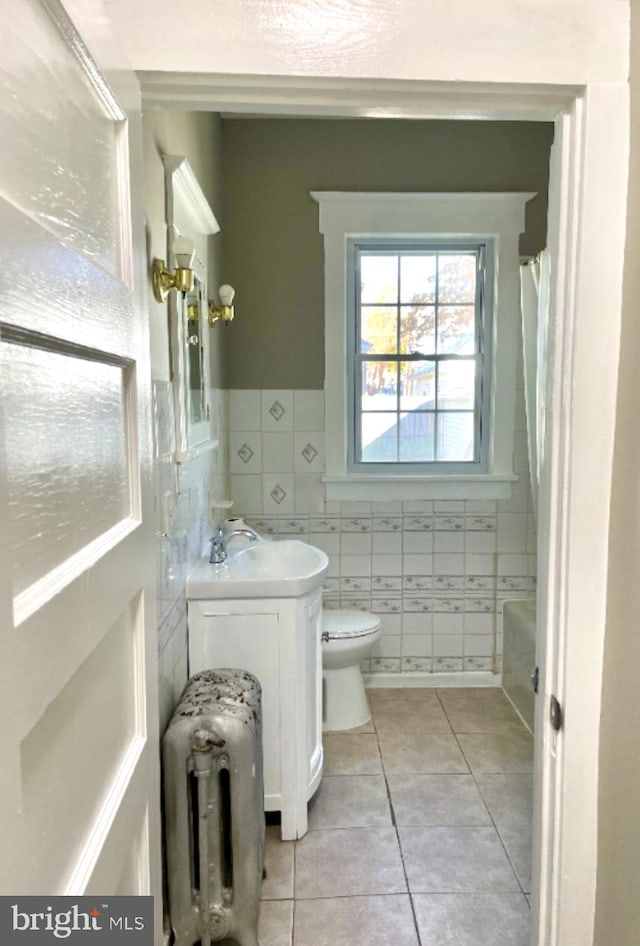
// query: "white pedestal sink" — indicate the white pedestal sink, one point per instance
point(261, 611)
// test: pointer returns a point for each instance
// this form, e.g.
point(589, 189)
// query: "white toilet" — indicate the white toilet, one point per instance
point(347, 637)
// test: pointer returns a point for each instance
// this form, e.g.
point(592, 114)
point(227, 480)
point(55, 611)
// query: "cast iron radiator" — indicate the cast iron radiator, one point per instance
point(214, 817)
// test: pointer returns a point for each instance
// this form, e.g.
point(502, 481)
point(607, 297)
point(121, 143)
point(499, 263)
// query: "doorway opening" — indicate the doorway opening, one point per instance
point(573, 512)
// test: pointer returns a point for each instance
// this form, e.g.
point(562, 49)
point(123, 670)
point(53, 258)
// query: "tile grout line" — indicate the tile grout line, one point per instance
point(395, 827)
point(473, 775)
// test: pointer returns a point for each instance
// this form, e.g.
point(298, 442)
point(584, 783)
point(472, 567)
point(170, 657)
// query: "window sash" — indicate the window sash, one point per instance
point(359, 359)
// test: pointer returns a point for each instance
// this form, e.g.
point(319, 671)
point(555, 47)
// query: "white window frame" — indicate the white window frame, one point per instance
point(483, 251)
point(496, 219)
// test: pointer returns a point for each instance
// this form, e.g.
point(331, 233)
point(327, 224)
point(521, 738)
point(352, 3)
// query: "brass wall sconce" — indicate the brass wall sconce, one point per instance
point(224, 311)
point(181, 279)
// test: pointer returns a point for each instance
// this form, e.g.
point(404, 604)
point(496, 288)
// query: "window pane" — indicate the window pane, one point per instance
point(418, 279)
point(456, 278)
point(418, 310)
point(378, 330)
point(379, 386)
point(416, 437)
point(455, 437)
point(379, 438)
point(378, 278)
point(417, 329)
point(417, 385)
point(456, 385)
point(456, 330)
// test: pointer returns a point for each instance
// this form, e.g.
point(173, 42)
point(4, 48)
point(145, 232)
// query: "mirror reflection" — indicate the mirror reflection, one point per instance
point(195, 309)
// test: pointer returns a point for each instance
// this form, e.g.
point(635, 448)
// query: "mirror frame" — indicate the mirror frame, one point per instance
point(188, 213)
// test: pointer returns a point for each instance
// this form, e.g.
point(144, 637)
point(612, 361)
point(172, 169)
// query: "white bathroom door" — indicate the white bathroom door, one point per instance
point(79, 779)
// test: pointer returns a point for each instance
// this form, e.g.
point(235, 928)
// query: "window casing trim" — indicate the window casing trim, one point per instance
point(477, 217)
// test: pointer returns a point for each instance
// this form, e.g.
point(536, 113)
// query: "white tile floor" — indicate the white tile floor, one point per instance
point(420, 833)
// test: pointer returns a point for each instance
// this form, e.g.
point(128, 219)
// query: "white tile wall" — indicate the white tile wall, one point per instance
point(277, 410)
point(245, 410)
point(245, 452)
point(308, 410)
point(437, 573)
point(182, 515)
point(277, 493)
point(277, 452)
point(284, 434)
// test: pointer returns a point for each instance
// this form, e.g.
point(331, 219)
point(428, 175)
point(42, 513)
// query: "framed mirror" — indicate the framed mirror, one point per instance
point(195, 303)
point(189, 214)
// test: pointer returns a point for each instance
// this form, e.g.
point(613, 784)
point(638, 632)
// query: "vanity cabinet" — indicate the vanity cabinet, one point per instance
point(278, 640)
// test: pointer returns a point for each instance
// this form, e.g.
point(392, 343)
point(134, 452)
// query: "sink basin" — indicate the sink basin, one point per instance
point(285, 569)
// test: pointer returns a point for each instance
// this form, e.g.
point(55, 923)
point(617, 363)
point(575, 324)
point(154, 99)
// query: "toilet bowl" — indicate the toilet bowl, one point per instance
point(347, 637)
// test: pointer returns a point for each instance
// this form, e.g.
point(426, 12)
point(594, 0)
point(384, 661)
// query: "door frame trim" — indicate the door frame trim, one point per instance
point(588, 192)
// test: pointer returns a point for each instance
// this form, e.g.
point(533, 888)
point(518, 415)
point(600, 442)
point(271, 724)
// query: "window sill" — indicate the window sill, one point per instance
point(380, 488)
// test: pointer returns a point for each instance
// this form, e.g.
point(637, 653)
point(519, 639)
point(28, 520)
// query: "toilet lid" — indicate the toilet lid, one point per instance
point(346, 622)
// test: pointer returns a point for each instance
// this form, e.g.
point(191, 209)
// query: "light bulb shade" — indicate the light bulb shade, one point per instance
point(226, 294)
point(184, 252)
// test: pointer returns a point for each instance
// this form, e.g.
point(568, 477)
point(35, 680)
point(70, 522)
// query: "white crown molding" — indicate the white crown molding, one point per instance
point(326, 97)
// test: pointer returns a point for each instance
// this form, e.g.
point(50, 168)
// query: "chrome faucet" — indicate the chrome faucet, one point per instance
point(219, 543)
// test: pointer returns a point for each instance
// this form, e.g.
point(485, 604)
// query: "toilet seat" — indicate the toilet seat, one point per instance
point(345, 623)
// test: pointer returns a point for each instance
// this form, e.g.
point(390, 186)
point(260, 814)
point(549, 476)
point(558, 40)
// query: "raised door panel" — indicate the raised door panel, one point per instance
point(99, 710)
point(77, 488)
point(59, 161)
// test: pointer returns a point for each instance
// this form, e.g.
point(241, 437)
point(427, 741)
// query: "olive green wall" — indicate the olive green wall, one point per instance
point(272, 249)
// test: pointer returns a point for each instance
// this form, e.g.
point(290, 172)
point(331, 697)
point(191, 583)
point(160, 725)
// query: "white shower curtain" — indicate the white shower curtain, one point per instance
point(534, 295)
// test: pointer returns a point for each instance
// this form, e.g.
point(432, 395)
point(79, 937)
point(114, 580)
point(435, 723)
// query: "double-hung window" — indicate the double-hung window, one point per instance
point(419, 365)
point(422, 328)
